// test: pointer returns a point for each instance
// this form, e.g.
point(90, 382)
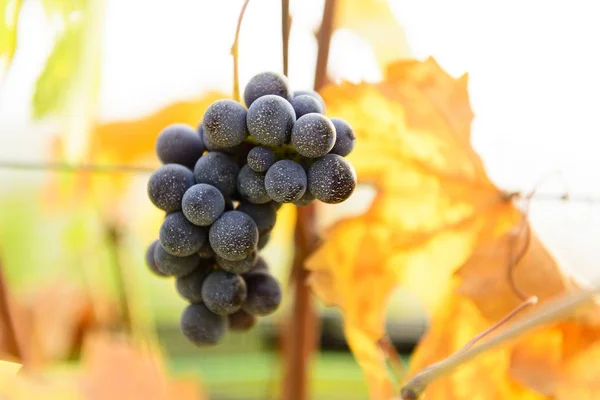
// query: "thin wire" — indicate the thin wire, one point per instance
point(65, 167)
point(145, 170)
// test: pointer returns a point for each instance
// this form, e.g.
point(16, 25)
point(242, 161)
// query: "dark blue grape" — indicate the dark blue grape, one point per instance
point(264, 215)
point(264, 294)
point(305, 104)
point(251, 186)
point(219, 170)
point(270, 120)
point(208, 145)
point(305, 200)
point(225, 123)
point(170, 265)
point(190, 286)
point(201, 326)
point(179, 144)
point(261, 267)
point(344, 137)
point(223, 292)
point(202, 204)
point(233, 236)
point(331, 179)
point(266, 83)
point(239, 150)
point(179, 237)
point(238, 267)
point(150, 262)
point(241, 321)
point(313, 94)
point(260, 159)
point(167, 185)
point(285, 181)
point(263, 240)
point(313, 135)
point(206, 251)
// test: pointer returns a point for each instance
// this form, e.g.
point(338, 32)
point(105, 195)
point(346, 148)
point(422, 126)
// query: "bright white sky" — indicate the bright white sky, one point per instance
point(533, 68)
point(534, 72)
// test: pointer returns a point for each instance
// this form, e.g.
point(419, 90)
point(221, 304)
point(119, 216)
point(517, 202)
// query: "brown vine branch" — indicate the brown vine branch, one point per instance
point(300, 339)
point(7, 325)
point(549, 312)
point(324, 40)
point(235, 53)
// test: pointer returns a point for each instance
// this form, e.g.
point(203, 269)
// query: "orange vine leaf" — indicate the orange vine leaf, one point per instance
point(438, 226)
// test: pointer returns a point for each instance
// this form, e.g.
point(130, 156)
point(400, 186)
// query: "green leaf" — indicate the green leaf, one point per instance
point(69, 86)
point(60, 74)
point(63, 8)
point(71, 74)
point(9, 15)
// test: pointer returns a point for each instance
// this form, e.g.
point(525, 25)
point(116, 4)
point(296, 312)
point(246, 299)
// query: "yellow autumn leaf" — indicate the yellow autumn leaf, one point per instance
point(130, 141)
point(111, 368)
point(542, 363)
point(21, 386)
point(123, 143)
point(373, 21)
point(440, 228)
point(454, 324)
point(434, 202)
point(119, 369)
point(8, 370)
point(557, 361)
point(484, 275)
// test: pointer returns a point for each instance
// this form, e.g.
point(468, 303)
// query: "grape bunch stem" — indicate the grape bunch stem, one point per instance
point(235, 53)
point(286, 22)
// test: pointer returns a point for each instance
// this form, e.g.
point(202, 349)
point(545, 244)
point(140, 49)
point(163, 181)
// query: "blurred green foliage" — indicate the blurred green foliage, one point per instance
point(60, 76)
point(9, 14)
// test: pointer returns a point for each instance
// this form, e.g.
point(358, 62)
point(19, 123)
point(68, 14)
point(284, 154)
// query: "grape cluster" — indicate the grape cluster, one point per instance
point(221, 186)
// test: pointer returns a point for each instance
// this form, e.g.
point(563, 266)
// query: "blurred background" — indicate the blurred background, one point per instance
point(92, 82)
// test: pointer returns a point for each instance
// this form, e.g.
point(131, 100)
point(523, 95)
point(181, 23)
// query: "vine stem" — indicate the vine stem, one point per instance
point(235, 53)
point(7, 325)
point(324, 40)
point(549, 312)
point(300, 334)
point(301, 331)
point(529, 302)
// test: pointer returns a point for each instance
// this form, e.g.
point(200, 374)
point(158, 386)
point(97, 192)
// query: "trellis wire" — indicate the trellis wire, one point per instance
point(146, 170)
point(65, 167)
